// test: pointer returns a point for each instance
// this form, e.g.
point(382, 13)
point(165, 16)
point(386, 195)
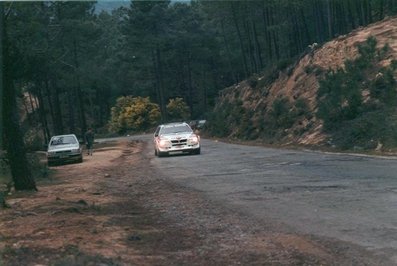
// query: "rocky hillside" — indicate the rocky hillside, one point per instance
point(280, 105)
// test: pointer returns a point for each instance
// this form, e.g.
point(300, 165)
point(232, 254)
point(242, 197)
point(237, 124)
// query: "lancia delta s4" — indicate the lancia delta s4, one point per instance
point(175, 138)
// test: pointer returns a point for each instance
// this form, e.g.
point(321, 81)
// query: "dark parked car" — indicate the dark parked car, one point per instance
point(197, 124)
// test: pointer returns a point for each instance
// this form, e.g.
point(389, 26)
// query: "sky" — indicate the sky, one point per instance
point(108, 5)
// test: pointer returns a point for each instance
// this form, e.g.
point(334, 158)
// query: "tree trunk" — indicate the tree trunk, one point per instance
point(258, 50)
point(240, 38)
point(71, 106)
point(157, 80)
point(330, 22)
point(338, 18)
point(268, 41)
point(33, 105)
point(253, 68)
point(297, 45)
point(159, 83)
point(49, 100)
point(102, 96)
point(190, 82)
point(360, 12)
point(13, 140)
point(79, 94)
point(306, 31)
point(274, 35)
point(321, 22)
point(229, 57)
point(381, 9)
point(390, 8)
point(180, 76)
point(369, 12)
point(2, 40)
point(351, 18)
point(28, 116)
point(58, 123)
point(42, 113)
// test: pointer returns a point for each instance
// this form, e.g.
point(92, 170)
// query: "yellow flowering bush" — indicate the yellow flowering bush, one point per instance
point(133, 113)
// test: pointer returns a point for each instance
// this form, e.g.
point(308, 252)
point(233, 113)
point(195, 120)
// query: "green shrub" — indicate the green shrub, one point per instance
point(393, 64)
point(252, 82)
point(383, 87)
point(302, 107)
point(351, 119)
point(283, 64)
point(309, 69)
point(366, 131)
point(281, 113)
point(317, 70)
point(177, 109)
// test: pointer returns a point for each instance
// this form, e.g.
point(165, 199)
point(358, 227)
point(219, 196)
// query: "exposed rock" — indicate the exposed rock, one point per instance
point(301, 81)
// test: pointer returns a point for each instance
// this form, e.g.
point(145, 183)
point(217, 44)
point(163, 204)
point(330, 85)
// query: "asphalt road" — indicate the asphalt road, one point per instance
point(345, 197)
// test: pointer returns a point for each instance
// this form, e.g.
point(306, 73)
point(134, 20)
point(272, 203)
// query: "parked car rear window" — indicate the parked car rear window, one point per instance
point(63, 140)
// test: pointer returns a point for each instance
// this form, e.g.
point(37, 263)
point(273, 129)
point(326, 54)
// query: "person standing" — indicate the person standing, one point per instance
point(89, 140)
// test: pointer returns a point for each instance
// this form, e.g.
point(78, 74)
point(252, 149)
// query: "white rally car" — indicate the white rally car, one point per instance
point(175, 138)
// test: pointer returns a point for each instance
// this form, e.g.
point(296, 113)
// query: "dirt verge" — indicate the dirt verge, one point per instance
point(115, 209)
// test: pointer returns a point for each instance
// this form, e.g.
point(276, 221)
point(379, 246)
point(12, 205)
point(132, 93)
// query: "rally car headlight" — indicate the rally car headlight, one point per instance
point(164, 143)
point(194, 139)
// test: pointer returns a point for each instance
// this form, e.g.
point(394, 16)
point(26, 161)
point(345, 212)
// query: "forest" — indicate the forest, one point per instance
point(65, 65)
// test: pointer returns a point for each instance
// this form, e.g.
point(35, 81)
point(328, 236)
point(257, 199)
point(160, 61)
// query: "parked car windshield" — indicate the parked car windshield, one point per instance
point(63, 140)
point(175, 129)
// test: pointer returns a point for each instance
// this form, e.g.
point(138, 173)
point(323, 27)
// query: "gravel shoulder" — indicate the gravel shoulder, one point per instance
point(117, 209)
